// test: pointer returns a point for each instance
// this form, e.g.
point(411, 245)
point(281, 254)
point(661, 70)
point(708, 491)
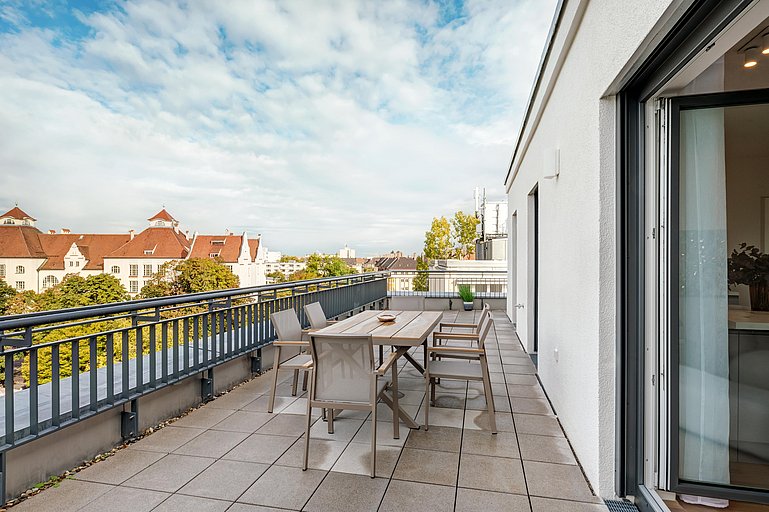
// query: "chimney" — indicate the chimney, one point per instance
point(64, 231)
point(51, 231)
point(132, 233)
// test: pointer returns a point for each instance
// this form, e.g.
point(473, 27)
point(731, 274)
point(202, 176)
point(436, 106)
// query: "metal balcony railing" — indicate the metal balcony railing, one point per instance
point(63, 366)
point(486, 284)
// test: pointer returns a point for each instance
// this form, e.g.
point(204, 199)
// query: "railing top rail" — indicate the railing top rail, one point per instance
point(13, 322)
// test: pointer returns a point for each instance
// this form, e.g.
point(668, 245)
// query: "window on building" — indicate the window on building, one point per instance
point(49, 281)
point(133, 271)
point(19, 269)
point(159, 223)
point(26, 223)
point(213, 255)
point(2, 270)
point(77, 263)
point(20, 285)
point(218, 242)
point(115, 269)
point(147, 270)
point(229, 267)
point(133, 286)
point(149, 252)
point(8, 221)
point(71, 263)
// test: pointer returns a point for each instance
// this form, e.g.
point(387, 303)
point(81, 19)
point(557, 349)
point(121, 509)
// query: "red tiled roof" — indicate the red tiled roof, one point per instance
point(20, 242)
point(17, 213)
point(162, 215)
point(93, 247)
point(253, 246)
point(203, 246)
point(164, 242)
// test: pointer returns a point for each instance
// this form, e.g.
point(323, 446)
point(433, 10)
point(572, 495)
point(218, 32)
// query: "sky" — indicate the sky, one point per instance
point(313, 123)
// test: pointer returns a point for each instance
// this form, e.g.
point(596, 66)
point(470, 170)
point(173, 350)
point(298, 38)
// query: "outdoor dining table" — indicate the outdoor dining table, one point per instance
point(409, 329)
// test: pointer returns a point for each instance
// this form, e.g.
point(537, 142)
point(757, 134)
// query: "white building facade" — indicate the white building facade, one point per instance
point(638, 153)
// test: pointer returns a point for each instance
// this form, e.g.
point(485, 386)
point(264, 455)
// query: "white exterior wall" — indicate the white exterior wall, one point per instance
point(30, 275)
point(125, 266)
point(577, 220)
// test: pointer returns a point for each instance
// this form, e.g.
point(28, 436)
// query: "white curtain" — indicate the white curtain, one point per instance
point(703, 306)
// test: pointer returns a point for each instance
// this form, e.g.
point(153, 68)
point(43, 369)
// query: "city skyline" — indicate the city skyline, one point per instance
point(380, 117)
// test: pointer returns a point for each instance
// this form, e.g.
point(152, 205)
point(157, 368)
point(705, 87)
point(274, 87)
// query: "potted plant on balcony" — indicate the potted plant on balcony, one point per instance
point(749, 266)
point(467, 296)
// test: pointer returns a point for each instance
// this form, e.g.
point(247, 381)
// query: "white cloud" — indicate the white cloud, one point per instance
point(314, 124)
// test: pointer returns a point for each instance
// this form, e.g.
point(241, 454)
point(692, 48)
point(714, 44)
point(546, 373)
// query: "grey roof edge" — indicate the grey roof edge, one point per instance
point(554, 26)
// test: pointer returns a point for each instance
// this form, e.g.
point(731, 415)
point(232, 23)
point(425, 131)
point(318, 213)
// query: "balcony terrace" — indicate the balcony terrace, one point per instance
point(230, 454)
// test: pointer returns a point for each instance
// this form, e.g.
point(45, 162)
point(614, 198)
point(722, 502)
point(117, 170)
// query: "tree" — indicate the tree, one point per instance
point(7, 293)
point(463, 233)
point(438, 240)
point(277, 276)
point(323, 265)
point(193, 275)
point(420, 281)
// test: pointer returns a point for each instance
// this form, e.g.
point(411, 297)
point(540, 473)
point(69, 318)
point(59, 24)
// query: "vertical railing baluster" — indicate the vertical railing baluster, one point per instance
point(164, 351)
point(186, 340)
point(139, 359)
point(110, 368)
point(175, 353)
point(125, 365)
point(10, 435)
point(75, 379)
point(55, 386)
point(153, 356)
point(204, 340)
point(93, 371)
point(33, 391)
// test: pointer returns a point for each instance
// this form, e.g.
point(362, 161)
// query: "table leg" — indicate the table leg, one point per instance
point(414, 363)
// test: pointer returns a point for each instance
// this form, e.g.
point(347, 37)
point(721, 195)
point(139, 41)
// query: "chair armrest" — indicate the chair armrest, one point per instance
point(309, 330)
point(454, 336)
point(387, 364)
point(464, 326)
point(456, 350)
point(291, 343)
point(332, 321)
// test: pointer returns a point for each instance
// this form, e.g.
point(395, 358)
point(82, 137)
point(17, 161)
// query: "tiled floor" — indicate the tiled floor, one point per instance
point(232, 455)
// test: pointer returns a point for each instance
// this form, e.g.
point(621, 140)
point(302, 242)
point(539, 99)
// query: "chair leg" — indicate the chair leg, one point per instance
point(304, 381)
point(396, 407)
point(330, 418)
point(294, 382)
point(307, 434)
point(275, 367)
point(373, 440)
point(489, 396)
point(427, 400)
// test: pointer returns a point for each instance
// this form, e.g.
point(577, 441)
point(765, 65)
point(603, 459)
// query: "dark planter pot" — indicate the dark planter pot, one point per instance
point(759, 296)
point(468, 306)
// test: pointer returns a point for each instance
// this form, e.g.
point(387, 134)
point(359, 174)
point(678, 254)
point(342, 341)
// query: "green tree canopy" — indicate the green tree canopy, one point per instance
point(193, 275)
point(451, 239)
point(324, 265)
point(438, 240)
point(7, 293)
point(463, 233)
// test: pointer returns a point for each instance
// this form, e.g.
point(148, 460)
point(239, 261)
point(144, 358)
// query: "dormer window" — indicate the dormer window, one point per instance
point(149, 252)
point(160, 223)
point(7, 221)
point(214, 255)
point(218, 242)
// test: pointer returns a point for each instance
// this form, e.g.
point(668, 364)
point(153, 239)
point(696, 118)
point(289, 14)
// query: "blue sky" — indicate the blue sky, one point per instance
point(316, 124)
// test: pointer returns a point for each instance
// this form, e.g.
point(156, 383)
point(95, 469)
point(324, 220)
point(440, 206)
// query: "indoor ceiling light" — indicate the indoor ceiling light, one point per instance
point(765, 44)
point(750, 57)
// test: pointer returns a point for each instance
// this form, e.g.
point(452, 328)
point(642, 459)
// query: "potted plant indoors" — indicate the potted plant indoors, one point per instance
point(467, 296)
point(749, 266)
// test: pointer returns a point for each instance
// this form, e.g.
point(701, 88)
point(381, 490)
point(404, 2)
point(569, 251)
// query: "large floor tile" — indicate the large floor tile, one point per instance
point(262, 403)
point(120, 467)
point(212, 443)
point(427, 466)
point(491, 474)
point(345, 492)
point(245, 507)
point(126, 499)
point(243, 421)
point(70, 495)
point(285, 425)
point(556, 481)
point(523, 391)
point(204, 417)
point(439, 417)
point(553, 505)
point(546, 449)
point(283, 487)
point(479, 420)
point(531, 406)
point(167, 439)
point(537, 424)
point(260, 448)
point(404, 496)
point(234, 400)
point(445, 439)
point(356, 459)
point(183, 503)
point(170, 473)
point(384, 434)
point(522, 380)
point(344, 429)
point(480, 442)
point(475, 500)
point(323, 454)
point(224, 479)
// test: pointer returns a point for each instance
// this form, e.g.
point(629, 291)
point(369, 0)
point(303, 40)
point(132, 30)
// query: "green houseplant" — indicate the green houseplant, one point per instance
point(749, 266)
point(467, 296)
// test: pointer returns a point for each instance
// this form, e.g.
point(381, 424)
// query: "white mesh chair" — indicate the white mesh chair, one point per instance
point(290, 338)
point(316, 316)
point(472, 365)
point(344, 376)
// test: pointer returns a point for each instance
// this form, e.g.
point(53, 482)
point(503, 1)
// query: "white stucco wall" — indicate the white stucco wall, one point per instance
point(30, 275)
point(577, 230)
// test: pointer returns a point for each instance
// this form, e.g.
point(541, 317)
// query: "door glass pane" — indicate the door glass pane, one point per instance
point(723, 341)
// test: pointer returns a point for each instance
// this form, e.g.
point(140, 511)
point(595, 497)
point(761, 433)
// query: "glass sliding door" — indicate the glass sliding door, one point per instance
point(719, 338)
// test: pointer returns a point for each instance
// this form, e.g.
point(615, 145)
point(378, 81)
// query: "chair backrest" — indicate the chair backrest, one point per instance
point(343, 368)
point(483, 331)
point(287, 325)
point(485, 316)
point(315, 315)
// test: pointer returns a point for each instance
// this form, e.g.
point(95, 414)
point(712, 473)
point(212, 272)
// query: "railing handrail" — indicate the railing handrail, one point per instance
point(26, 320)
point(448, 271)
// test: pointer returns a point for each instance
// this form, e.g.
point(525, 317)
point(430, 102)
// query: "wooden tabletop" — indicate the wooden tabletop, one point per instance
point(410, 328)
